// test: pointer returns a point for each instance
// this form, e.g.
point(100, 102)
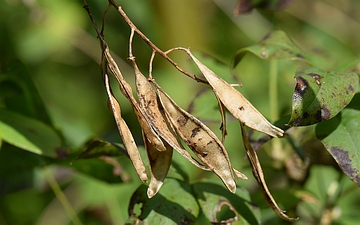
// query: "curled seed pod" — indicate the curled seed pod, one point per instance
point(259, 176)
point(160, 162)
point(125, 134)
point(236, 103)
point(200, 139)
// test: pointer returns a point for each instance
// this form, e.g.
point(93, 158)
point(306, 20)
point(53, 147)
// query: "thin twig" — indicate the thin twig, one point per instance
point(152, 45)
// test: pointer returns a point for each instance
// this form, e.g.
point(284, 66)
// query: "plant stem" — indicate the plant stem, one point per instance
point(61, 197)
point(276, 147)
point(273, 91)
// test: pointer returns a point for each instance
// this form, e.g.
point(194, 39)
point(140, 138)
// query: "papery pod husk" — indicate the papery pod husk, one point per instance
point(236, 103)
point(148, 101)
point(200, 139)
point(126, 90)
point(125, 134)
point(160, 162)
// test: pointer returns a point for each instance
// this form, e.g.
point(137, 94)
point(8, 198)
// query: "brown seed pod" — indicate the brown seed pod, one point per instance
point(126, 90)
point(160, 162)
point(236, 103)
point(148, 101)
point(200, 139)
point(125, 133)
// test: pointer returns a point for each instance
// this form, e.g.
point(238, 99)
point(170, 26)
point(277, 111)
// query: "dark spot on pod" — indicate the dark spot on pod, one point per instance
point(195, 131)
point(183, 120)
point(301, 86)
point(241, 108)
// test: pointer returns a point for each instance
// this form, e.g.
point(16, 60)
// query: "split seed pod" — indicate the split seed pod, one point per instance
point(159, 166)
point(148, 101)
point(236, 103)
point(200, 139)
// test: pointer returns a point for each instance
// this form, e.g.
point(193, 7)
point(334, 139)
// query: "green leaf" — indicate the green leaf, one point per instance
point(219, 205)
point(276, 45)
point(19, 92)
point(340, 137)
point(320, 95)
point(29, 134)
point(97, 148)
point(174, 204)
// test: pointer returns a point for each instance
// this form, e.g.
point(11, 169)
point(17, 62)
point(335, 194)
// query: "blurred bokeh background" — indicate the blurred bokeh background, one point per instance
point(58, 45)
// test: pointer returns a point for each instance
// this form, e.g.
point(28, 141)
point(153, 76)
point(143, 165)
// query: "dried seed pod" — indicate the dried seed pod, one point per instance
point(200, 139)
point(259, 176)
point(148, 101)
point(125, 133)
point(126, 90)
point(159, 165)
point(236, 103)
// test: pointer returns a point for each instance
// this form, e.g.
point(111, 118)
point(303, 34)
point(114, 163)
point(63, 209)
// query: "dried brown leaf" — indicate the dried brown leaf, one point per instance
point(236, 103)
point(259, 176)
point(200, 139)
point(159, 166)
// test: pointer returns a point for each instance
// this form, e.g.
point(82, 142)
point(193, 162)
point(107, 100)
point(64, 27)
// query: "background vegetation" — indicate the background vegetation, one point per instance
point(58, 53)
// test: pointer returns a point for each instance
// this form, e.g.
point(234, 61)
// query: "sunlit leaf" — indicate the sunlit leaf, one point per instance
point(29, 134)
point(219, 205)
point(320, 95)
point(340, 137)
point(276, 45)
point(174, 204)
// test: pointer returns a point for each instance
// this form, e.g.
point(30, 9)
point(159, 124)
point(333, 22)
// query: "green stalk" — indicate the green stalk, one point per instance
point(276, 152)
point(61, 197)
point(273, 91)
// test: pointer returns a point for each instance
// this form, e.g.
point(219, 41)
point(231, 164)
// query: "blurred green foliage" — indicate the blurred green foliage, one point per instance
point(57, 81)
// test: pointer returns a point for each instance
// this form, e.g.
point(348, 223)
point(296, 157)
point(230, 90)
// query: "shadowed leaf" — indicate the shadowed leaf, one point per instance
point(213, 198)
